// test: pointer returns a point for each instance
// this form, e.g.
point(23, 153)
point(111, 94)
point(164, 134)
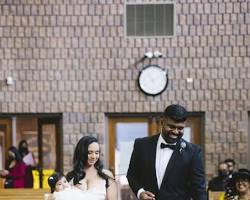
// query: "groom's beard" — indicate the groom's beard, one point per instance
point(169, 139)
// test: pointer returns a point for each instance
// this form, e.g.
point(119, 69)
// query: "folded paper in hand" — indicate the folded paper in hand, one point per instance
point(28, 159)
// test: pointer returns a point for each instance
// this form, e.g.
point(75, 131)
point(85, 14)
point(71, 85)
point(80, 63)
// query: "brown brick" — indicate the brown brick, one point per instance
point(72, 58)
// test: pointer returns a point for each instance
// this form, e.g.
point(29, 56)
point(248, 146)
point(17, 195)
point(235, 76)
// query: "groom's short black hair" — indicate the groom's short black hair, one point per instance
point(176, 112)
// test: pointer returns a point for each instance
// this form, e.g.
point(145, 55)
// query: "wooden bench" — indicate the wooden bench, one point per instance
point(25, 194)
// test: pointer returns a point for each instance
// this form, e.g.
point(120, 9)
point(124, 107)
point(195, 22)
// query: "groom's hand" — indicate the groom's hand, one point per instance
point(146, 195)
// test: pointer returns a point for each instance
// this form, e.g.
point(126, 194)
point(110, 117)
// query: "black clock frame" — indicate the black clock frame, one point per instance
point(138, 80)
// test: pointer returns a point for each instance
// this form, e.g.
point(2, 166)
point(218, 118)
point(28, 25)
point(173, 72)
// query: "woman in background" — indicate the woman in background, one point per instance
point(29, 160)
point(88, 174)
point(14, 173)
point(241, 185)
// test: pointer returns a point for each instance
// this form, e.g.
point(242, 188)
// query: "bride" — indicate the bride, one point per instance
point(88, 174)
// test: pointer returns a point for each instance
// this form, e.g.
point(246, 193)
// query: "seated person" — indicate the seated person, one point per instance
point(231, 166)
point(218, 183)
point(241, 186)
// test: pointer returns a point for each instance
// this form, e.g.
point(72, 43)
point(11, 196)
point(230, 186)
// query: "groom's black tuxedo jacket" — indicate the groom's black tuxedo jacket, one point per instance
point(184, 176)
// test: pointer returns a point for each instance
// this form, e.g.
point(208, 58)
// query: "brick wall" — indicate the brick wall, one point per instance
point(72, 57)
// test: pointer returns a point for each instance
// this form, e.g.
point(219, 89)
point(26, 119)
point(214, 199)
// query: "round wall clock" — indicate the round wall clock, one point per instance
point(153, 80)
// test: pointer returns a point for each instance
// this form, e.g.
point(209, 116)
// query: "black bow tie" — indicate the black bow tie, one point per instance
point(170, 146)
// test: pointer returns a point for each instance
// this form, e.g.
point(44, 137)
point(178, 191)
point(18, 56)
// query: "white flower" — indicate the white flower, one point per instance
point(183, 146)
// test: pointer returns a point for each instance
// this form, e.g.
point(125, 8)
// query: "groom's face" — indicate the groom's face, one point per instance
point(172, 130)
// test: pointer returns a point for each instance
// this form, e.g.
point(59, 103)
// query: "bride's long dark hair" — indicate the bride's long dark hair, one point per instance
point(80, 160)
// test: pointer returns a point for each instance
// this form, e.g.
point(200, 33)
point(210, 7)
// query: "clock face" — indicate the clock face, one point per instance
point(153, 80)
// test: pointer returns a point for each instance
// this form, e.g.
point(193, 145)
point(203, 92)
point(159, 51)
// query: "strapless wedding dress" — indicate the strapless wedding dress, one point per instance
point(97, 192)
point(69, 194)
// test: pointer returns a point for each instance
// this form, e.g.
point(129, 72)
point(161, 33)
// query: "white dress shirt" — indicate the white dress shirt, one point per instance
point(161, 161)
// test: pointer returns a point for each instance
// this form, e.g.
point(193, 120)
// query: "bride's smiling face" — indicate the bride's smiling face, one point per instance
point(93, 153)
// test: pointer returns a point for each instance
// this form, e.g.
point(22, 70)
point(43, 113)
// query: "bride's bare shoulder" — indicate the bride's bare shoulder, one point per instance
point(108, 173)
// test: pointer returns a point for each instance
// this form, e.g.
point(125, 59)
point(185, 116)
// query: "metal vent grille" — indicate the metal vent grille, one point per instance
point(150, 19)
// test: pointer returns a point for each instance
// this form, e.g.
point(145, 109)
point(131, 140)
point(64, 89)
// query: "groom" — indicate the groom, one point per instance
point(165, 166)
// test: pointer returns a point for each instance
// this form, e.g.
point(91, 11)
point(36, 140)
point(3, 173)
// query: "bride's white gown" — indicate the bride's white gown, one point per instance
point(69, 194)
point(98, 192)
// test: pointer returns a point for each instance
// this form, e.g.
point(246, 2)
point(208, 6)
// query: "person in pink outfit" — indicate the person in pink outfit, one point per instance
point(14, 173)
point(29, 160)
